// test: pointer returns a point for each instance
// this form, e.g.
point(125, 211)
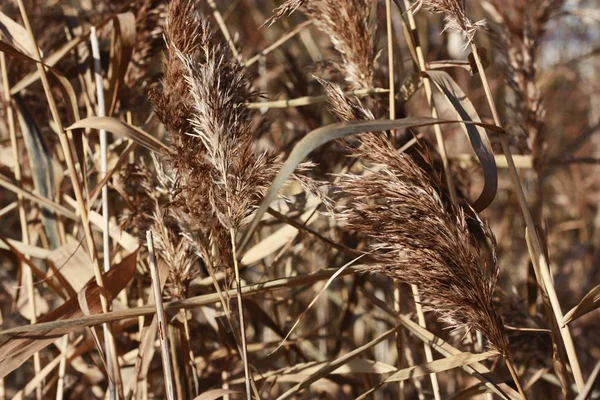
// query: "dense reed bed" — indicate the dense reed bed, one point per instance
point(332, 199)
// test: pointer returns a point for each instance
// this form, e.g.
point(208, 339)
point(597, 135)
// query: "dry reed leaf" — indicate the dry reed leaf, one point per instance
point(42, 201)
point(216, 394)
point(589, 385)
point(55, 57)
point(65, 86)
point(273, 242)
point(444, 364)
point(122, 43)
point(436, 366)
point(74, 264)
point(589, 303)
point(16, 34)
point(20, 347)
point(335, 364)
point(480, 143)
point(326, 134)
point(72, 324)
point(314, 300)
point(127, 241)
point(122, 129)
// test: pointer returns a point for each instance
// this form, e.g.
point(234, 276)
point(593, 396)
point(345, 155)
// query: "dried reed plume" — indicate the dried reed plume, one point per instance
point(518, 37)
point(202, 105)
point(287, 8)
point(422, 240)
point(454, 15)
point(347, 24)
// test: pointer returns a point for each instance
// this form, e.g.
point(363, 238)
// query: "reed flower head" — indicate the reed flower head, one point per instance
point(423, 241)
point(219, 178)
point(455, 15)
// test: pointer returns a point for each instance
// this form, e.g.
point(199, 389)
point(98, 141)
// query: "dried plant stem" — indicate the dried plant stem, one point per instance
point(429, 94)
point(390, 49)
point(238, 290)
point(66, 147)
point(398, 309)
point(223, 28)
point(162, 321)
point(515, 376)
point(62, 369)
point(101, 112)
point(28, 275)
point(546, 277)
point(308, 100)
point(278, 42)
point(428, 353)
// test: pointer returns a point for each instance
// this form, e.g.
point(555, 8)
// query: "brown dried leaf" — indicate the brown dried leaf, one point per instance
point(20, 347)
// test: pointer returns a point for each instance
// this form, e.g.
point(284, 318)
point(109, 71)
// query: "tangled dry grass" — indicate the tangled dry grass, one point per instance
point(299, 199)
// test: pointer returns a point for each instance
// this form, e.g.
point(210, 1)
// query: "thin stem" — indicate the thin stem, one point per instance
point(429, 94)
point(278, 42)
point(390, 48)
point(224, 30)
point(162, 321)
point(428, 353)
point(69, 158)
point(101, 112)
point(27, 273)
point(238, 290)
point(515, 376)
point(545, 277)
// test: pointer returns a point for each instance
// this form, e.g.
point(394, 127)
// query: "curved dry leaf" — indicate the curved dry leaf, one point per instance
point(123, 40)
point(314, 300)
point(216, 394)
point(480, 143)
point(589, 303)
point(16, 34)
point(21, 346)
point(326, 134)
point(65, 86)
point(123, 129)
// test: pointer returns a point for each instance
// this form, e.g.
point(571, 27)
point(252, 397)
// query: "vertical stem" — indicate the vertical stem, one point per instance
point(28, 275)
point(81, 204)
point(429, 94)
point(162, 321)
point(238, 288)
point(546, 277)
point(390, 48)
point(101, 112)
point(515, 376)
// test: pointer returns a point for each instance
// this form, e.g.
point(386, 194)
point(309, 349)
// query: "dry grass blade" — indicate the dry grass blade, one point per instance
point(197, 301)
point(319, 137)
point(216, 394)
point(21, 346)
point(335, 364)
point(589, 303)
point(442, 365)
point(122, 129)
point(162, 321)
point(314, 300)
point(480, 143)
point(589, 385)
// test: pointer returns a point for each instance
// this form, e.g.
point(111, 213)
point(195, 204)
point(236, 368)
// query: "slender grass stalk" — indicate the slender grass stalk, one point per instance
point(101, 112)
point(278, 43)
point(238, 291)
point(546, 277)
point(162, 321)
point(422, 65)
point(66, 147)
point(27, 274)
point(224, 29)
